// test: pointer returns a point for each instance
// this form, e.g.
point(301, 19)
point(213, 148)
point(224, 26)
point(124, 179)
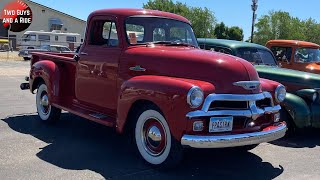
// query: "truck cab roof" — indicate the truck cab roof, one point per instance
point(124, 13)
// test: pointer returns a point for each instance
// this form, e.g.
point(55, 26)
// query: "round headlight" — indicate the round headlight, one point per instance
point(195, 97)
point(280, 93)
point(315, 96)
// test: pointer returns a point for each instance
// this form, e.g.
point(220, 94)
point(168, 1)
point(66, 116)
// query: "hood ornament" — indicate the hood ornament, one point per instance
point(248, 85)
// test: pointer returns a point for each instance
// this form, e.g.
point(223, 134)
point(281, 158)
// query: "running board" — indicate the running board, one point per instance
point(99, 116)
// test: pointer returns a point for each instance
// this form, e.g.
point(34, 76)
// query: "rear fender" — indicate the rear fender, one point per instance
point(49, 72)
point(169, 94)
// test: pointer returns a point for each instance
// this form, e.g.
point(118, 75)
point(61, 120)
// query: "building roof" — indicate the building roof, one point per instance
point(29, 1)
point(293, 43)
point(230, 43)
point(139, 12)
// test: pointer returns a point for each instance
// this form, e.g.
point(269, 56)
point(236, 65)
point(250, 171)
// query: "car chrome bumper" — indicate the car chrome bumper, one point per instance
point(268, 134)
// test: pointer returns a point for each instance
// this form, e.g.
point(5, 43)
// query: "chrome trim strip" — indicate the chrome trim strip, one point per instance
point(234, 140)
point(248, 85)
point(137, 68)
point(245, 113)
point(252, 112)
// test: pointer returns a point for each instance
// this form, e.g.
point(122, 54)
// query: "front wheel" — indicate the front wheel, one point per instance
point(154, 141)
point(46, 111)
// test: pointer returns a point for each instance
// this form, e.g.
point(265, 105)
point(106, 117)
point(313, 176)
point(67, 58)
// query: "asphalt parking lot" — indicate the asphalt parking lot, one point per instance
point(79, 149)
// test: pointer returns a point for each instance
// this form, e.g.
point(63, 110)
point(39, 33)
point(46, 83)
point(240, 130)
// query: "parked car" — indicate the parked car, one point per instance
point(27, 53)
point(298, 55)
point(161, 88)
point(301, 107)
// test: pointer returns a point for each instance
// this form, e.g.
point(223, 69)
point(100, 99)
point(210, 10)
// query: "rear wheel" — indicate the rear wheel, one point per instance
point(153, 139)
point(46, 111)
point(26, 58)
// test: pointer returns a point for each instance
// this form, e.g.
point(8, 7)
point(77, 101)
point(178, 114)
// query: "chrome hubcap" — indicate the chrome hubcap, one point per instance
point(153, 137)
point(44, 103)
point(44, 100)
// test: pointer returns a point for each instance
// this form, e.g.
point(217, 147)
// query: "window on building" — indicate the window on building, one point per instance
point(104, 33)
point(56, 38)
point(71, 39)
point(44, 38)
point(55, 24)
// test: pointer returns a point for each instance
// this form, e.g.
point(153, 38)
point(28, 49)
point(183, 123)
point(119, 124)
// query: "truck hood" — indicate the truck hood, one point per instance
point(292, 79)
point(185, 62)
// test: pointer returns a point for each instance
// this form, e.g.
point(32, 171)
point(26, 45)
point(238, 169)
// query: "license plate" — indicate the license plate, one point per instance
point(220, 124)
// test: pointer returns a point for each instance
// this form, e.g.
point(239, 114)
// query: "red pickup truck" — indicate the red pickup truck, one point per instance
point(141, 72)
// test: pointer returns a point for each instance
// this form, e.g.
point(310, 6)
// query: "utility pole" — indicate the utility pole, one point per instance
point(254, 8)
point(9, 27)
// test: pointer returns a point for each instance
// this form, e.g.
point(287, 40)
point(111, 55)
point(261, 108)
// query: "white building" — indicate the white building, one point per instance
point(45, 19)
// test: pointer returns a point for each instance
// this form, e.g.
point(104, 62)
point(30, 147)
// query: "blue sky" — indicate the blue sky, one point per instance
point(231, 12)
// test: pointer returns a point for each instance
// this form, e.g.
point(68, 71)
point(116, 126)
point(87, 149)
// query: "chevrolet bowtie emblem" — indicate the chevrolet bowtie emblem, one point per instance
point(248, 85)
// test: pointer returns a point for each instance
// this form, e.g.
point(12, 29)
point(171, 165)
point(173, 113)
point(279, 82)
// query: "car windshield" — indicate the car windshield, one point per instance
point(257, 56)
point(156, 30)
point(59, 48)
point(307, 55)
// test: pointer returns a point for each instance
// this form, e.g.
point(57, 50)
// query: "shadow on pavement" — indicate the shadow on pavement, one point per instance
point(308, 138)
point(77, 144)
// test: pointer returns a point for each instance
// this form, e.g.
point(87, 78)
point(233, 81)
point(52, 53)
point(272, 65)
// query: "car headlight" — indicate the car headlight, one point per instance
point(195, 97)
point(280, 93)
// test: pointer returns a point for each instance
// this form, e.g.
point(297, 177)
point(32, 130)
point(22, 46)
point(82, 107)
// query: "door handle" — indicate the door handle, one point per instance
point(83, 53)
point(137, 68)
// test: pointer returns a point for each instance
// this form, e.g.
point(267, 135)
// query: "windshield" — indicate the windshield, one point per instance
point(257, 56)
point(59, 48)
point(28, 37)
point(144, 30)
point(303, 55)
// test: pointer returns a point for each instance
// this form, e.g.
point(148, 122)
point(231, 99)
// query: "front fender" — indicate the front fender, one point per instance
point(168, 93)
point(298, 110)
point(49, 72)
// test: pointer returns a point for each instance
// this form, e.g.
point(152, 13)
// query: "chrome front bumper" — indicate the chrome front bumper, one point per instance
point(253, 110)
point(223, 141)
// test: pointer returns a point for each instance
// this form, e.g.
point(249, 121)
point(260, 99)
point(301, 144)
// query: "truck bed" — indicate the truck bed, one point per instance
point(66, 57)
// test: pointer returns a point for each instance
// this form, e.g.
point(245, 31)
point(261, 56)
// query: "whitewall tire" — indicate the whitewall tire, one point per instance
point(46, 111)
point(153, 139)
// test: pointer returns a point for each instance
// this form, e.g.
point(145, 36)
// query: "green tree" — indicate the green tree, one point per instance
point(235, 33)
point(202, 19)
point(221, 31)
point(281, 25)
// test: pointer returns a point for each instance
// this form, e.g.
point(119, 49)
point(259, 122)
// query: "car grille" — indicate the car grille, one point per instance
point(228, 105)
point(238, 105)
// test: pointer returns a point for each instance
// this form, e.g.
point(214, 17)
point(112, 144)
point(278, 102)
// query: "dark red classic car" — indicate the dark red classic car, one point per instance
point(141, 72)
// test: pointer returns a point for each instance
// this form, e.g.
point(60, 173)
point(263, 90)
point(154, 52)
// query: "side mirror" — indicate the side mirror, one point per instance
point(76, 57)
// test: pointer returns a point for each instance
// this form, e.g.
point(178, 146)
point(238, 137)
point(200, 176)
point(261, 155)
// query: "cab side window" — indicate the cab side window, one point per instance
point(104, 33)
point(282, 54)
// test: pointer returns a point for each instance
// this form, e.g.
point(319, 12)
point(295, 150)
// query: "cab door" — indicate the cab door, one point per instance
point(97, 68)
